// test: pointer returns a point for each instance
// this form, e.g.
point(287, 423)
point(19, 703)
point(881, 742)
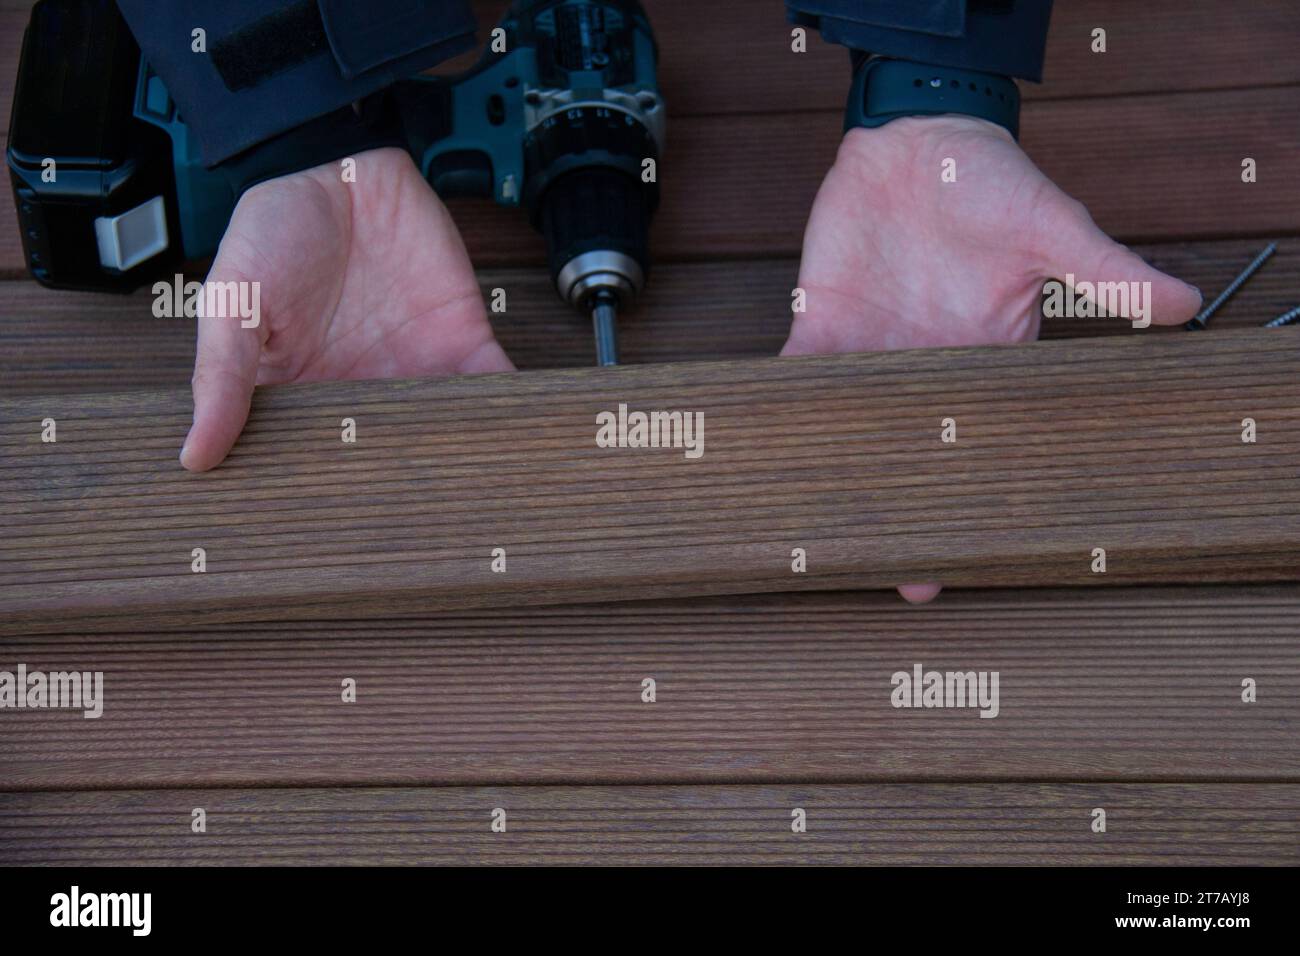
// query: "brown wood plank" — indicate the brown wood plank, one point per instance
point(1117, 683)
point(61, 342)
point(1152, 168)
point(53, 342)
point(887, 824)
point(1114, 443)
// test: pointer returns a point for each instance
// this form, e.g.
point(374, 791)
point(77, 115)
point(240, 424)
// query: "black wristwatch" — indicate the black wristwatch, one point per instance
point(885, 89)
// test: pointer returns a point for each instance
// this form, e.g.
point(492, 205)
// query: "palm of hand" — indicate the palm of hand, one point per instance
point(895, 257)
point(358, 279)
point(365, 279)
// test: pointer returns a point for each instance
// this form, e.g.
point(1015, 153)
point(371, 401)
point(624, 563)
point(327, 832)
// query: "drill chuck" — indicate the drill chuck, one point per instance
point(594, 212)
point(595, 227)
point(596, 222)
point(601, 271)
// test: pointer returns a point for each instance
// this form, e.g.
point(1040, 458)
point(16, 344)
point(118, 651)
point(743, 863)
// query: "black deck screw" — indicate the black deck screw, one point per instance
point(1286, 318)
point(1203, 317)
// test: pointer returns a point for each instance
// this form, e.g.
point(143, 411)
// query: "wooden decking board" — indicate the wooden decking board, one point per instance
point(898, 824)
point(60, 343)
point(1157, 168)
point(840, 455)
point(1118, 683)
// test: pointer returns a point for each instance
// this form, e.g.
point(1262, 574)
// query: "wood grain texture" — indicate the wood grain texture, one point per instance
point(1116, 683)
point(1114, 443)
point(901, 824)
point(66, 342)
point(1149, 169)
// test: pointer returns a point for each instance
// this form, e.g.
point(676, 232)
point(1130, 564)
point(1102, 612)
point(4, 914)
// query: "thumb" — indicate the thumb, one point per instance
point(487, 357)
point(1115, 278)
point(225, 366)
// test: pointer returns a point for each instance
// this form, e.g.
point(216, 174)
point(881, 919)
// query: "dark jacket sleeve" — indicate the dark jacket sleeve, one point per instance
point(271, 65)
point(992, 36)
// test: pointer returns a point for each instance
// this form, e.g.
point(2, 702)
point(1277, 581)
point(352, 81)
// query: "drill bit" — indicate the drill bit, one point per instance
point(604, 320)
point(1286, 318)
point(1203, 317)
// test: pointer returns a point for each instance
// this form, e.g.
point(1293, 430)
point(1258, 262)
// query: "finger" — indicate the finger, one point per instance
point(488, 357)
point(807, 338)
point(225, 372)
point(919, 593)
point(1113, 277)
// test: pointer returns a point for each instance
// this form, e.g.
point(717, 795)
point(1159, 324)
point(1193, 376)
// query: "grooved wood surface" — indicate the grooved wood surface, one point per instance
point(64, 342)
point(1116, 683)
point(1117, 444)
point(1149, 168)
point(885, 824)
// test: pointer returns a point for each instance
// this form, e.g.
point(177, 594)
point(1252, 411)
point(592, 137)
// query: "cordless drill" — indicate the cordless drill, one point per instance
point(562, 115)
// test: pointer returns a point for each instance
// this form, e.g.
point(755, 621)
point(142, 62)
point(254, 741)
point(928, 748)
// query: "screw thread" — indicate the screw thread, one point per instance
point(1203, 317)
point(1286, 318)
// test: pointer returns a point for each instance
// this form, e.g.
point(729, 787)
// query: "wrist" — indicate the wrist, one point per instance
point(884, 90)
point(917, 128)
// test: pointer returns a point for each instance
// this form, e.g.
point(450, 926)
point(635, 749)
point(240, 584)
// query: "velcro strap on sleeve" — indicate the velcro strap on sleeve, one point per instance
point(244, 71)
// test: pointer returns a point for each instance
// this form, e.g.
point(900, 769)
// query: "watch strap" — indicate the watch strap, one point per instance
point(885, 89)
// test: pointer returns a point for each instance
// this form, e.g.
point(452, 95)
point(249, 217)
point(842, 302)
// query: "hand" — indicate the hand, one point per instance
point(895, 258)
point(364, 279)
